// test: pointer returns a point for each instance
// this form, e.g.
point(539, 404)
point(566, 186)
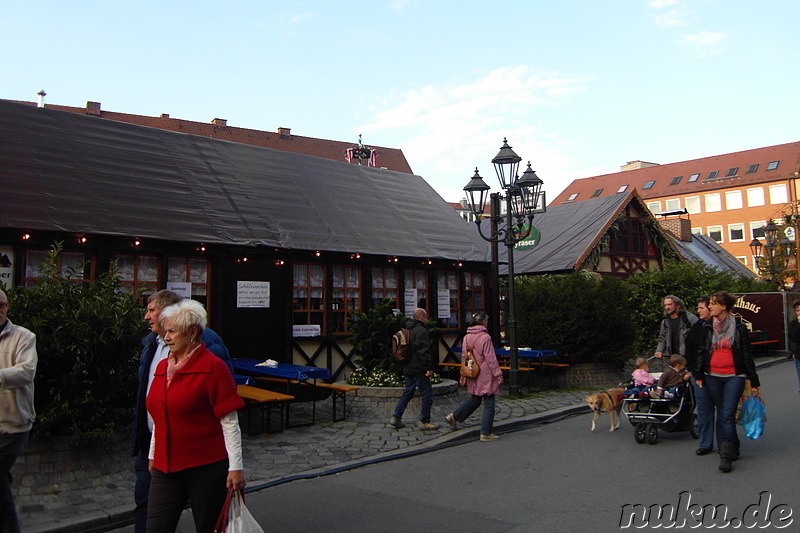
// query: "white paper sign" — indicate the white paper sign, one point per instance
point(252, 294)
point(184, 288)
point(7, 266)
point(307, 330)
point(443, 303)
point(410, 297)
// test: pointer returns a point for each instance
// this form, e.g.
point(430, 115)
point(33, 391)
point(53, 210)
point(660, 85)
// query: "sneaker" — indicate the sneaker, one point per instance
point(488, 438)
point(425, 426)
point(396, 422)
point(452, 421)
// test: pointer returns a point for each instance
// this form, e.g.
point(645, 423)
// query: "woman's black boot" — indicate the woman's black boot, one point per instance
point(727, 454)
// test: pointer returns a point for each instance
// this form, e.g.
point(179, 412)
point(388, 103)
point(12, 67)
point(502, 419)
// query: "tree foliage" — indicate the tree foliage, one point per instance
point(88, 337)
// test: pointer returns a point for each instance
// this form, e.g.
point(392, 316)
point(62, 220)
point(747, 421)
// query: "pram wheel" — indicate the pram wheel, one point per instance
point(639, 433)
point(693, 426)
point(652, 434)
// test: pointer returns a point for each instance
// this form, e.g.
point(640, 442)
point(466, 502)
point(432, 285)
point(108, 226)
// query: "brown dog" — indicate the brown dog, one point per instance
point(609, 401)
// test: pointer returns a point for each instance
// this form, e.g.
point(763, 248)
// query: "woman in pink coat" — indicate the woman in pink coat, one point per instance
point(486, 385)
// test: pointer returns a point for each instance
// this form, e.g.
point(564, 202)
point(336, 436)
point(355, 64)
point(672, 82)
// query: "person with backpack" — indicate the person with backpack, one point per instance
point(417, 370)
point(486, 385)
point(674, 328)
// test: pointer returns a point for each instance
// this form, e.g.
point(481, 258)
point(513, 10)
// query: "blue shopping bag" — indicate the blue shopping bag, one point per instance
point(753, 417)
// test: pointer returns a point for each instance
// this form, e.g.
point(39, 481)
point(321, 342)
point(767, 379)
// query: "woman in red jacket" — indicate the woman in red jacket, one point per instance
point(196, 450)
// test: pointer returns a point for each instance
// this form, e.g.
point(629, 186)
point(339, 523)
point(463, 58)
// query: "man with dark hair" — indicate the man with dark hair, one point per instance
point(674, 328)
point(18, 359)
point(154, 351)
point(705, 409)
point(417, 369)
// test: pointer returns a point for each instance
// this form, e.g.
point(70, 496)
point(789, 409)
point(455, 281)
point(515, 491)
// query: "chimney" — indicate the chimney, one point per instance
point(285, 133)
point(93, 108)
point(220, 122)
point(164, 115)
point(40, 102)
point(634, 165)
point(680, 228)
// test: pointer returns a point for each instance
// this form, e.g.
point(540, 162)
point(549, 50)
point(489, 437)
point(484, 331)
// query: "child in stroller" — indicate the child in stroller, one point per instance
point(642, 379)
point(671, 379)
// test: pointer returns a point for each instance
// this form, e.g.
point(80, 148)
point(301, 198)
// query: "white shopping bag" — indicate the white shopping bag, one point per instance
point(235, 518)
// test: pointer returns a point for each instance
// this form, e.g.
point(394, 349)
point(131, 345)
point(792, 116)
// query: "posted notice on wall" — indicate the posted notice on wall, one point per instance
point(306, 330)
point(443, 303)
point(184, 288)
point(6, 267)
point(410, 298)
point(252, 294)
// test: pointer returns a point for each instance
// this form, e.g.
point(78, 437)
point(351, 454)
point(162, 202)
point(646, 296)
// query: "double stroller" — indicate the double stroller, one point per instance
point(672, 412)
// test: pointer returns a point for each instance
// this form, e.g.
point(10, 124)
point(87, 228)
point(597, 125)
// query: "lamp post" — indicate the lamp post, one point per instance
point(773, 249)
point(524, 198)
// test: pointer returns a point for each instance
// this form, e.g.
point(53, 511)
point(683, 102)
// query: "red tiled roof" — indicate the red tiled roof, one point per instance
point(391, 158)
point(788, 156)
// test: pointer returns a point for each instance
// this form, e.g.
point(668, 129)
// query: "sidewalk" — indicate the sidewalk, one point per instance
point(59, 489)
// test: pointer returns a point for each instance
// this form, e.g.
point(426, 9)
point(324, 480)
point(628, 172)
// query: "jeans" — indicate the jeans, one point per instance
point(469, 407)
point(724, 393)
point(11, 445)
point(140, 493)
point(797, 366)
point(425, 393)
point(705, 417)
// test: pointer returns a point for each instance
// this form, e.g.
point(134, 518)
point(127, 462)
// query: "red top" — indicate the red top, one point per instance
point(722, 362)
point(186, 415)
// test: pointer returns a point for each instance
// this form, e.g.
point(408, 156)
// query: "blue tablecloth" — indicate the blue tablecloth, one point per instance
point(283, 370)
point(520, 352)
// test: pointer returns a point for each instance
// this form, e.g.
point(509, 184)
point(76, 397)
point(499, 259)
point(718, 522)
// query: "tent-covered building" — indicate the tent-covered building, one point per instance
point(282, 248)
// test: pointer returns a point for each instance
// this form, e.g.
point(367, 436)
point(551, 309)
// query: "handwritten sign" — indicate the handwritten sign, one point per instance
point(183, 288)
point(306, 330)
point(252, 294)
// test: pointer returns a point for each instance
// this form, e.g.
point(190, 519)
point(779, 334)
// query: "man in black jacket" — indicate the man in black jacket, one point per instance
point(417, 369)
point(794, 336)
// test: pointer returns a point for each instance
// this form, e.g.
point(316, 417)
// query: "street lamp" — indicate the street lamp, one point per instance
point(773, 249)
point(524, 198)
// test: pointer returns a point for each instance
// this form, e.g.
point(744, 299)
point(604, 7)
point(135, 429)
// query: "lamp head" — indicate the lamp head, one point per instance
point(506, 164)
point(477, 193)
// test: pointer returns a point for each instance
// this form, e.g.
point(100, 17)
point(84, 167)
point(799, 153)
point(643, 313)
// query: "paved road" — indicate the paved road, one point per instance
point(555, 477)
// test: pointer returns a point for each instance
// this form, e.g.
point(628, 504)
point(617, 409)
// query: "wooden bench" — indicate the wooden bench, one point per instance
point(265, 400)
point(337, 392)
point(524, 369)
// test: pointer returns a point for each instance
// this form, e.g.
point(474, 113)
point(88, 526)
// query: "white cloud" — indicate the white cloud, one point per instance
point(446, 131)
point(705, 42)
point(675, 15)
point(660, 4)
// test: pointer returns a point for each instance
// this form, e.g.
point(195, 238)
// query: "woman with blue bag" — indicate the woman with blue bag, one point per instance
point(724, 361)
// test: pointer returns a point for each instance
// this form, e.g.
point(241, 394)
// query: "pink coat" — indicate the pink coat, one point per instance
point(482, 348)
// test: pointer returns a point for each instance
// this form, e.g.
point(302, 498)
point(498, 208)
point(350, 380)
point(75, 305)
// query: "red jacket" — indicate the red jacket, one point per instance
point(186, 415)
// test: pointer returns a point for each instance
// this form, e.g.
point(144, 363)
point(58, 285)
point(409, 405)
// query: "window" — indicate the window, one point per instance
point(654, 207)
point(139, 272)
point(742, 260)
point(384, 285)
point(73, 266)
point(693, 178)
point(757, 229)
point(755, 197)
point(676, 180)
point(193, 271)
point(473, 294)
point(572, 196)
point(672, 204)
point(732, 172)
point(692, 204)
point(715, 232)
point(417, 279)
point(713, 202)
point(449, 281)
point(629, 239)
point(697, 231)
point(777, 194)
point(346, 297)
point(712, 175)
point(773, 165)
point(308, 295)
point(597, 193)
point(623, 188)
point(752, 168)
point(649, 184)
point(735, 232)
point(733, 200)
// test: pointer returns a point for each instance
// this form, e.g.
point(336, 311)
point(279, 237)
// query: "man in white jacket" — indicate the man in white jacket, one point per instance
point(18, 360)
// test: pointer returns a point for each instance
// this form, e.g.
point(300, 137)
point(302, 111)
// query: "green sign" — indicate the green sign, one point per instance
point(531, 240)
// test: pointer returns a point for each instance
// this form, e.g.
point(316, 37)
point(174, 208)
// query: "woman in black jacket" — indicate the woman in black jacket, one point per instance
point(723, 363)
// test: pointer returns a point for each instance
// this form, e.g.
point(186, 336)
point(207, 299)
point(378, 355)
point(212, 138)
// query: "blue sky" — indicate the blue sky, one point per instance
point(579, 87)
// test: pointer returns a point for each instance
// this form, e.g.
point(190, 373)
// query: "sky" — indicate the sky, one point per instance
point(578, 87)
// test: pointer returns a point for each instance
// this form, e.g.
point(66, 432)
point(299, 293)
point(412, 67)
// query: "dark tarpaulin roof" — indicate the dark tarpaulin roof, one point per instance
point(61, 171)
point(568, 232)
point(703, 248)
